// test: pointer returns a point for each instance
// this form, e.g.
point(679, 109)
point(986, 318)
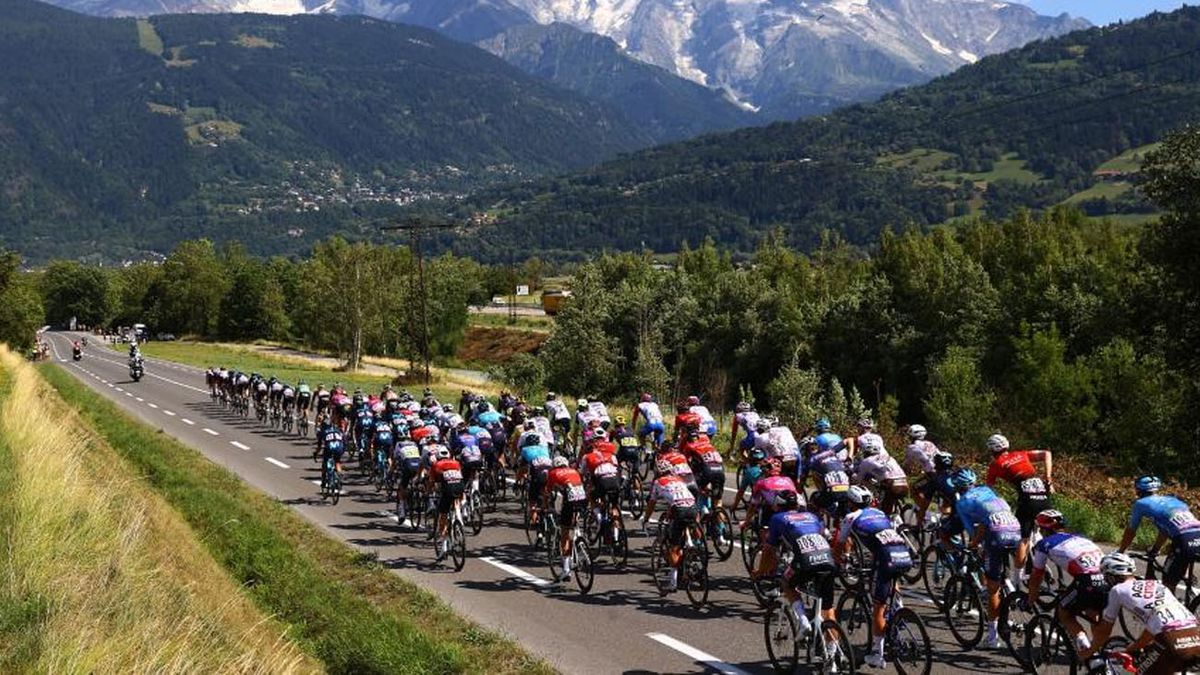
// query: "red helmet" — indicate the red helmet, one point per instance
point(1050, 519)
point(774, 466)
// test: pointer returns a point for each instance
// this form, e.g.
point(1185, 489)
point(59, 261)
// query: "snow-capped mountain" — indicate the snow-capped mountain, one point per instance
point(784, 58)
point(792, 57)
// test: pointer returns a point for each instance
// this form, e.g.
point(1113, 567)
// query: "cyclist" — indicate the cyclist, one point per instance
point(565, 481)
point(707, 466)
point(288, 398)
point(406, 462)
point(446, 476)
point(1079, 557)
point(322, 398)
point(750, 475)
point(583, 419)
point(812, 558)
point(543, 426)
point(628, 444)
point(276, 392)
point(873, 530)
point(987, 519)
point(866, 434)
point(533, 466)
point(464, 445)
point(652, 417)
point(825, 464)
point(560, 417)
point(680, 467)
point(920, 457)
point(708, 424)
point(602, 473)
point(764, 496)
point(880, 468)
point(745, 420)
point(779, 442)
point(331, 444)
point(1171, 640)
point(488, 415)
point(599, 411)
point(685, 420)
point(681, 509)
point(303, 398)
point(1174, 521)
point(1033, 495)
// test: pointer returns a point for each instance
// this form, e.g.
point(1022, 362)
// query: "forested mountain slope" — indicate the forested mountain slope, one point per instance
point(1029, 128)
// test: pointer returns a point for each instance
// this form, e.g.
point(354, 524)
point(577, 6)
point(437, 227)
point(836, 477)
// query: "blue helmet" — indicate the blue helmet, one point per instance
point(1147, 484)
point(828, 441)
point(963, 479)
point(757, 455)
point(823, 425)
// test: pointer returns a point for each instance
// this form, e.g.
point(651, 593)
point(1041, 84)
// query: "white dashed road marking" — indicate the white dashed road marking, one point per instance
point(705, 658)
point(210, 432)
point(277, 462)
point(240, 446)
point(187, 421)
point(168, 412)
point(153, 405)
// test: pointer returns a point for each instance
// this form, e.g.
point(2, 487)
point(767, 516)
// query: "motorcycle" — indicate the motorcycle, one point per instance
point(77, 353)
point(136, 370)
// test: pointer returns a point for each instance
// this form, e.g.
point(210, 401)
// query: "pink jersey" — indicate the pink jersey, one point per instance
point(767, 488)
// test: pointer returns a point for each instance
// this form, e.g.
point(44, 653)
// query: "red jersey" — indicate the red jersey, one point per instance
point(607, 447)
point(421, 433)
point(701, 450)
point(566, 480)
point(597, 464)
point(687, 420)
point(1013, 466)
point(447, 471)
point(679, 463)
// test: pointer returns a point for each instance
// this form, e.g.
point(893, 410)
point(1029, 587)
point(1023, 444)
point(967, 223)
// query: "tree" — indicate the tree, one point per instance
point(796, 396)
point(138, 295)
point(524, 374)
point(343, 310)
point(253, 308)
point(1051, 398)
point(73, 290)
point(959, 406)
point(21, 310)
point(194, 284)
point(580, 354)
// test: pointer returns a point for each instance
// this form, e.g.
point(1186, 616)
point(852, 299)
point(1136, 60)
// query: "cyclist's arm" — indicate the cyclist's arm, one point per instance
point(1135, 519)
point(633, 417)
point(1047, 459)
point(1100, 634)
point(977, 535)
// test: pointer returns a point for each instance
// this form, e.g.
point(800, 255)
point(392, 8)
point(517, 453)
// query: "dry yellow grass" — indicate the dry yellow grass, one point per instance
point(118, 582)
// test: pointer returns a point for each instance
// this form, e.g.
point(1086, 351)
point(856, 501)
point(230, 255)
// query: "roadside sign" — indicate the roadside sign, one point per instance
point(522, 290)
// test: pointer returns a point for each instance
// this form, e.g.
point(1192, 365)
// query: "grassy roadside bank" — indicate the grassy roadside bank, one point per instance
point(100, 574)
point(356, 616)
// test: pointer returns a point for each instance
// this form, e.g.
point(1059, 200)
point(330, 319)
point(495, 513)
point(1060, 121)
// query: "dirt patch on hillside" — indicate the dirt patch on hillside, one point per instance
point(496, 345)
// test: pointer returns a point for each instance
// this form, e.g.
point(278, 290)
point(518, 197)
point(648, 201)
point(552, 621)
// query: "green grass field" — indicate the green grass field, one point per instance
point(1008, 167)
point(148, 38)
point(1102, 189)
point(923, 160)
point(346, 608)
point(1130, 160)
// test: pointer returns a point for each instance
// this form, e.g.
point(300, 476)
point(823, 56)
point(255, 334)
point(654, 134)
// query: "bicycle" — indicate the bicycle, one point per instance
point(693, 565)
point(1016, 619)
point(608, 533)
point(380, 472)
point(632, 493)
point(581, 558)
point(938, 565)
point(1050, 649)
point(781, 631)
point(473, 509)
point(905, 640)
point(331, 481)
point(288, 421)
point(302, 424)
point(717, 527)
point(455, 541)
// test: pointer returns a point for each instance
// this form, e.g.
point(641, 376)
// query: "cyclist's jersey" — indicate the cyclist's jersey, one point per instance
point(536, 457)
point(288, 392)
point(583, 418)
point(598, 465)
point(672, 491)
point(488, 417)
point(599, 411)
point(1170, 515)
point(864, 439)
point(421, 433)
point(332, 441)
point(558, 410)
point(706, 417)
point(881, 467)
point(981, 506)
point(687, 420)
point(406, 451)
point(650, 412)
point(323, 395)
point(626, 440)
point(803, 531)
point(701, 451)
point(747, 421)
point(565, 481)
point(944, 488)
point(530, 437)
point(1013, 466)
point(1152, 603)
point(542, 426)
point(383, 433)
point(447, 472)
point(921, 453)
point(766, 489)
point(829, 470)
point(1071, 552)
point(679, 466)
point(874, 529)
point(783, 443)
point(261, 387)
point(277, 388)
point(606, 448)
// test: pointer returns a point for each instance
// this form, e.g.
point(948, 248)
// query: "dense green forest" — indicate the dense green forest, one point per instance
point(1024, 129)
point(120, 136)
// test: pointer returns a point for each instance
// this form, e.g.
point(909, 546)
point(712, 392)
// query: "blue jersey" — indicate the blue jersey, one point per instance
point(802, 531)
point(332, 442)
point(383, 433)
point(874, 529)
point(1170, 515)
point(489, 417)
point(977, 505)
point(536, 456)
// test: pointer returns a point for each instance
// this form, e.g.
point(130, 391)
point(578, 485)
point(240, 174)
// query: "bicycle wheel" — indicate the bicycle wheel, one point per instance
point(553, 551)
point(591, 526)
point(762, 587)
point(749, 541)
point(721, 533)
point(833, 653)
point(530, 528)
point(695, 574)
point(1015, 619)
point(854, 615)
point(963, 610)
point(782, 637)
point(584, 573)
point(907, 643)
point(1049, 648)
point(458, 545)
point(914, 573)
point(620, 543)
point(476, 518)
point(935, 572)
point(335, 488)
point(850, 571)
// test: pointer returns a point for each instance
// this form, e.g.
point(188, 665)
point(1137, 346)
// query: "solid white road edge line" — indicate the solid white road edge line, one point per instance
point(515, 571)
point(277, 462)
point(705, 658)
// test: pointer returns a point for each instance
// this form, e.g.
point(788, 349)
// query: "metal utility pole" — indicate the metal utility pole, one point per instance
point(416, 226)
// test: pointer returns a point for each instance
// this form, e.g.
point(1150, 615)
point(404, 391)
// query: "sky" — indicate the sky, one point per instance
point(1102, 12)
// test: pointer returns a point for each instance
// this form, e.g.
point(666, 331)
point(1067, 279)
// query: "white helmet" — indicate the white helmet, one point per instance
point(872, 445)
point(917, 432)
point(1117, 564)
point(859, 496)
point(997, 443)
point(443, 453)
point(560, 461)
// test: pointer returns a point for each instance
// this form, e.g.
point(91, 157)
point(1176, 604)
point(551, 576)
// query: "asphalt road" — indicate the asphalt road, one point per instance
point(622, 626)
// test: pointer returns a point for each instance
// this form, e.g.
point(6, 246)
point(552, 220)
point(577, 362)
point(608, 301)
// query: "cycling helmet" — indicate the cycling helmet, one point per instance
point(1147, 485)
point(823, 425)
point(538, 411)
point(774, 466)
point(997, 443)
point(1117, 564)
point(447, 408)
point(560, 461)
point(443, 453)
point(917, 432)
point(1050, 519)
point(872, 446)
point(757, 455)
point(599, 435)
point(358, 397)
point(743, 406)
point(619, 420)
point(763, 425)
point(663, 467)
point(693, 400)
point(866, 423)
point(581, 403)
point(859, 496)
point(788, 499)
point(943, 461)
point(647, 397)
point(428, 391)
point(963, 479)
point(550, 396)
